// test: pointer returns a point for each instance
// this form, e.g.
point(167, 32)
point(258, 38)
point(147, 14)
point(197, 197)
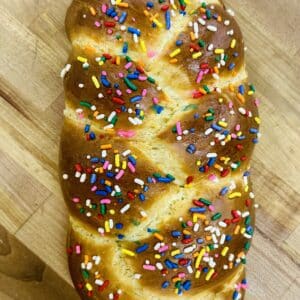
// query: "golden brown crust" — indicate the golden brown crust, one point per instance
point(159, 130)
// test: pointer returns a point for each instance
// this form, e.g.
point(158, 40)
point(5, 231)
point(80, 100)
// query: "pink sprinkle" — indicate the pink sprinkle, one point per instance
point(76, 200)
point(245, 286)
point(189, 223)
point(142, 78)
point(206, 71)
point(178, 128)
point(105, 164)
point(105, 201)
point(212, 177)
point(181, 275)
point(126, 134)
point(77, 249)
point(131, 167)
point(128, 65)
point(211, 208)
point(128, 91)
point(103, 8)
point(163, 249)
point(151, 53)
point(109, 31)
point(230, 104)
point(94, 188)
point(257, 102)
point(233, 135)
point(144, 92)
point(155, 100)
point(149, 267)
point(97, 24)
point(199, 77)
point(80, 115)
point(104, 73)
point(119, 93)
point(237, 127)
point(116, 18)
point(121, 75)
point(120, 174)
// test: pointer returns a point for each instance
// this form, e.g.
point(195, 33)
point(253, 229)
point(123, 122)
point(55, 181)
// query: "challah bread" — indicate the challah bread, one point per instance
point(160, 125)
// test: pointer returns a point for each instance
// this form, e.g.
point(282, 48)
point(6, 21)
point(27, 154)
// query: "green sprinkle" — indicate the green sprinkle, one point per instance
point(216, 216)
point(170, 177)
point(252, 88)
point(85, 104)
point(85, 274)
point(206, 88)
point(150, 79)
point(128, 58)
point(103, 209)
point(82, 210)
point(248, 220)
point(190, 107)
point(156, 175)
point(209, 118)
point(201, 43)
point(205, 201)
point(247, 245)
point(114, 120)
point(130, 84)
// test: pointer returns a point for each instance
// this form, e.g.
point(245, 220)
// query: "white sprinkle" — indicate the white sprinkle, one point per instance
point(81, 85)
point(159, 266)
point(210, 47)
point(227, 22)
point(117, 189)
point(82, 177)
point(111, 116)
point(189, 249)
point(222, 239)
point(139, 181)
point(222, 224)
point(212, 28)
point(202, 21)
point(245, 214)
point(65, 176)
point(109, 126)
point(211, 155)
point(99, 282)
point(196, 227)
point(137, 276)
point(190, 269)
point(65, 70)
point(100, 117)
point(100, 96)
point(208, 131)
point(93, 107)
point(125, 208)
point(143, 214)
point(126, 152)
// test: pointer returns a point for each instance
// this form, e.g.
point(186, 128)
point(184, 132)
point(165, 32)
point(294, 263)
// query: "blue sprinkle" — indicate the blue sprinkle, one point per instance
point(178, 256)
point(231, 66)
point(176, 233)
point(216, 127)
point(108, 188)
point(132, 159)
point(104, 81)
point(136, 99)
point(191, 149)
point(202, 169)
point(244, 281)
point(165, 284)
point(93, 178)
point(235, 295)
point(168, 19)
point(211, 161)
point(241, 89)
point(197, 209)
point(101, 193)
point(92, 136)
point(179, 43)
point(205, 269)
point(87, 128)
point(170, 264)
point(187, 285)
point(142, 248)
point(125, 48)
point(102, 181)
point(114, 14)
point(110, 11)
point(247, 173)
point(164, 179)
point(119, 226)
point(228, 238)
point(158, 108)
point(240, 138)
point(224, 191)
point(110, 174)
point(253, 130)
point(121, 236)
point(94, 160)
point(123, 17)
point(134, 31)
point(235, 54)
point(200, 241)
point(142, 197)
point(132, 76)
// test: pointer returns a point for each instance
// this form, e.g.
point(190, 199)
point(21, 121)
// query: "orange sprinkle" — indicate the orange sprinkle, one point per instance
point(208, 238)
point(231, 87)
point(158, 236)
point(93, 11)
point(237, 229)
point(106, 147)
point(241, 97)
point(173, 61)
point(123, 4)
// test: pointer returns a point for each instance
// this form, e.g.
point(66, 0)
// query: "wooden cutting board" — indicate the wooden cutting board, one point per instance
point(33, 219)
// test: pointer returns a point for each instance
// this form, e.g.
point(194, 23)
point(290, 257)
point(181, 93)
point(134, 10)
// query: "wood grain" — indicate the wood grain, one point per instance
point(34, 48)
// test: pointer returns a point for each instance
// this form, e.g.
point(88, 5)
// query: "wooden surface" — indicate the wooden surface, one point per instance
point(33, 49)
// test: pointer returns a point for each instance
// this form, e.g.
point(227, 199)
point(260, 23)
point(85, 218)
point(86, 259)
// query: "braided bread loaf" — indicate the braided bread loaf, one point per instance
point(160, 124)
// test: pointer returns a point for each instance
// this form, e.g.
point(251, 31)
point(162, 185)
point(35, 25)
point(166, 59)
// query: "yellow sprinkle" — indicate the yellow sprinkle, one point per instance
point(233, 43)
point(143, 46)
point(246, 189)
point(199, 258)
point(239, 133)
point(157, 23)
point(106, 147)
point(107, 182)
point(158, 236)
point(112, 211)
point(237, 229)
point(197, 55)
point(192, 36)
point(89, 286)
point(222, 124)
point(157, 256)
point(224, 251)
point(82, 59)
point(197, 216)
point(197, 274)
point(146, 13)
point(235, 195)
point(231, 87)
point(209, 274)
point(101, 63)
point(221, 100)
point(250, 93)
point(186, 232)
point(86, 259)
point(117, 160)
point(219, 51)
point(106, 225)
point(243, 230)
point(174, 6)
point(118, 60)
point(198, 163)
point(175, 52)
point(124, 165)
point(257, 120)
point(128, 252)
point(96, 82)
point(175, 252)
